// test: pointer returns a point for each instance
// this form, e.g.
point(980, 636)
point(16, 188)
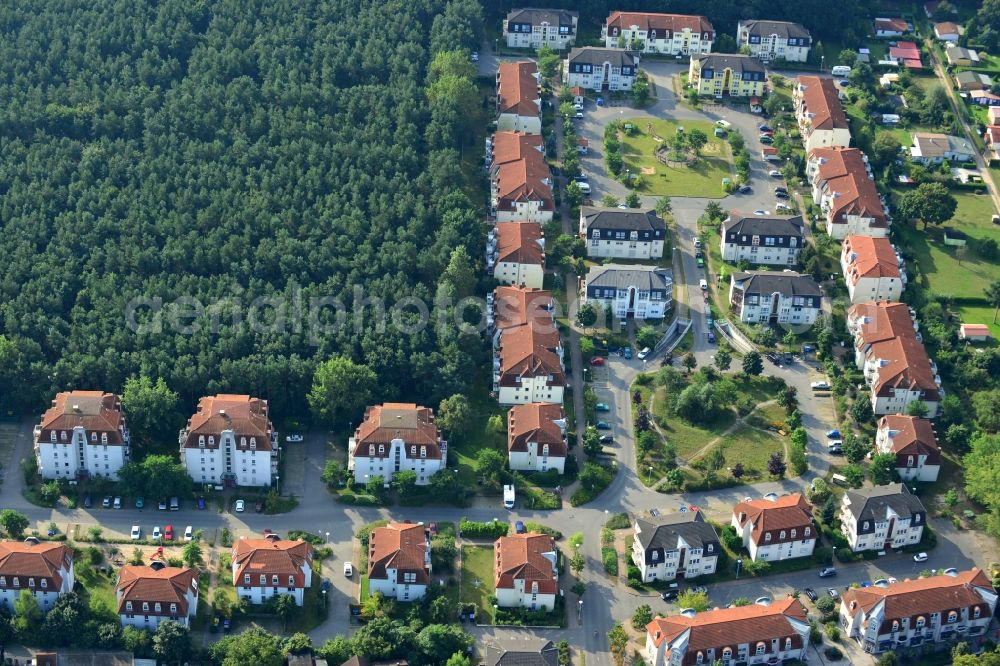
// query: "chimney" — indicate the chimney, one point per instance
point(222, 412)
point(76, 408)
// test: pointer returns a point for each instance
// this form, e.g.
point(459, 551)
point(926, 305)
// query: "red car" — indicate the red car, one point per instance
point(168, 533)
point(597, 360)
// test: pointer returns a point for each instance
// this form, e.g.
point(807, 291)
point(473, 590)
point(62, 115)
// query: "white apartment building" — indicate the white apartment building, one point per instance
point(45, 569)
point(519, 99)
point(393, 437)
point(775, 241)
point(882, 518)
point(230, 441)
point(913, 442)
point(672, 34)
point(534, 28)
point(820, 115)
point(265, 568)
point(150, 595)
point(843, 186)
point(600, 69)
point(774, 40)
point(526, 571)
point(668, 547)
point(642, 292)
point(83, 434)
point(619, 233)
point(515, 254)
point(775, 528)
point(536, 437)
point(772, 297)
point(871, 269)
point(399, 561)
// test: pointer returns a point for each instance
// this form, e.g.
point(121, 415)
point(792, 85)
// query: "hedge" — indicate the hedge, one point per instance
point(609, 557)
point(359, 500)
point(619, 521)
point(493, 529)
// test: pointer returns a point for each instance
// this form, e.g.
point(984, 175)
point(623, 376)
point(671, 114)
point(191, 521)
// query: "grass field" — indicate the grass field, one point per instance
point(688, 438)
point(703, 178)
point(980, 314)
point(750, 446)
point(477, 580)
point(938, 267)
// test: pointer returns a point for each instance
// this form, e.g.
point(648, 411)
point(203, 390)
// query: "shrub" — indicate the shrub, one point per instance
point(833, 654)
point(532, 526)
point(226, 538)
point(493, 529)
point(832, 631)
point(359, 500)
point(619, 521)
point(95, 556)
point(609, 558)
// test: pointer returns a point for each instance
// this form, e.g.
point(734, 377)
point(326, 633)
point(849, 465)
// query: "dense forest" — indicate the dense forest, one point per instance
point(228, 150)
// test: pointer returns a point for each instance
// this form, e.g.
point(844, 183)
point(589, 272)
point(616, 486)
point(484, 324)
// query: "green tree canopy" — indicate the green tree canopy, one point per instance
point(341, 389)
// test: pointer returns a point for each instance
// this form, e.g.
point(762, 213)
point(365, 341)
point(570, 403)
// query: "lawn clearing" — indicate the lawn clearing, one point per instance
point(980, 314)
point(477, 580)
point(688, 438)
point(750, 446)
point(703, 178)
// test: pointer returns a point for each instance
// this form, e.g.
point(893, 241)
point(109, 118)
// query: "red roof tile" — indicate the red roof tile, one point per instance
point(922, 596)
point(535, 422)
point(22, 560)
point(522, 557)
point(885, 320)
point(524, 180)
point(869, 257)
point(914, 436)
point(94, 411)
point(396, 420)
point(169, 585)
point(781, 515)
point(664, 24)
point(844, 174)
point(907, 366)
point(820, 98)
point(245, 416)
point(517, 88)
point(520, 243)
point(268, 557)
point(399, 546)
point(519, 306)
point(514, 146)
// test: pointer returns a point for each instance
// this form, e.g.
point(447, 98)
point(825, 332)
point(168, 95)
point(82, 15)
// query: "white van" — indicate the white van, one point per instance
point(584, 188)
point(841, 70)
point(508, 497)
point(703, 284)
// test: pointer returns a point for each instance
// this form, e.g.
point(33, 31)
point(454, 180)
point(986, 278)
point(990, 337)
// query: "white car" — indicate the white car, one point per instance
point(156, 532)
point(703, 284)
point(189, 533)
point(782, 206)
point(475, 56)
point(136, 533)
point(578, 107)
point(348, 569)
point(920, 557)
point(774, 173)
point(240, 506)
point(761, 212)
point(644, 353)
point(820, 386)
point(293, 438)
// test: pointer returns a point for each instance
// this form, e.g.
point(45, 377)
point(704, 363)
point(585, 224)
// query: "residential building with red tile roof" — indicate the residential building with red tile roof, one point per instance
point(906, 54)
point(525, 571)
point(519, 99)
point(948, 31)
point(923, 613)
point(882, 518)
point(534, 28)
point(775, 528)
point(874, 322)
point(265, 568)
point(820, 115)
point(230, 441)
point(891, 27)
point(992, 139)
point(522, 190)
point(527, 350)
point(396, 436)
point(512, 307)
point(515, 254)
point(754, 634)
point(650, 32)
point(913, 442)
point(536, 437)
point(507, 147)
point(871, 269)
point(843, 186)
point(399, 561)
point(82, 434)
point(43, 568)
point(149, 595)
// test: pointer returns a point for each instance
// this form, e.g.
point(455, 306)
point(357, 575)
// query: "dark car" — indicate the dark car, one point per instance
point(826, 572)
point(201, 503)
point(745, 189)
point(781, 195)
point(258, 506)
point(87, 502)
point(603, 425)
point(226, 625)
point(607, 439)
point(519, 527)
point(811, 593)
point(697, 253)
point(711, 337)
point(669, 595)
point(835, 451)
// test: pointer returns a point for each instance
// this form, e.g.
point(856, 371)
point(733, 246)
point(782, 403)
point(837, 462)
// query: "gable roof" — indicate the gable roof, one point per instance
point(764, 226)
point(524, 180)
point(662, 23)
point(537, 16)
point(621, 276)
point(664, 531)
point(517, 88)
point(960, 53)
point(892, 24)
point(398, 420)
point(271, 556)
point(736, 62)
point(932, 144)
point(23, 559)
point(880, 320)
point(820, 98)
point(511, 146)
point(143, 584)
point(598, 56)
point(784, 513)
point(731, 627)
point(975, 330)
point(523, 557)
point(967, 77)
point(94, 411)
point(904, 364)
point(786, 283)
point(843, 174)
point(631, 219)
point(869, 257)
point(519, 306)
point(923, 596)
point(536, 422)
point(522, 651)
point(946, 28)
point(912, 436)
point(872, 503)
point(399, 546)
point(530, 351)
point(245, 416)
point(520, 243)
point(783, 29)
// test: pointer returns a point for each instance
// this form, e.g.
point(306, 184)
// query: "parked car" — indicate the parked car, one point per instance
point(781, 195)
point(826, 572)
point(603, 425)
point(175, 504)
point(607, 439)
point(811, 593)
point(866, 583)
point(258, 506)
point(766, 140)
point(644, 353)
point(833, 593)
point(162, 506)
point(519, 527)
point(764, 128)
point(782, 206)
point(294, 438)
point(951, 571)
point(475, 56)
point(136, 533)
point(348, 569)
point(920, 557)
point(745, 189)
point(627, 353)
point(201, 503)
point(582, 178)
point(761, 212)
point(240, 506)
point(578, 115)
point(835, 442)
point(711, 337)
point(168, 532)
point(189, 533)
point(602, 407)
point(669, 595)
point(106, 503)
point(118, 502)
point(835, 451)
point(820, 386)
point(697, 242)
point(597, 360)
point(578, 107)
point(701, 262)
point(833, 434)
point(762, 601)
point(699, 589)
point(87, 502)
point(703, 284)
point(774, 173)
point(698, 254)
point(139, 502)
point(156, 532)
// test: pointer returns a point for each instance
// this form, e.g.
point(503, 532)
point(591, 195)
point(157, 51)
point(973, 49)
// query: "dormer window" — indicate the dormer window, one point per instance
point(156, 607)
point(291, 581)
point(413, 451)
point(371, 450)
point(173, 608)
point(201, 441)
point(423, 451)
point(805, 532)
point(93, 437)
point(864, 525)
point(952, 617)
point(596, 233)
point(31, 582)
point(128, 605)
point(655, 555)
point(767, 537)
point(253, 442)
point(62, 435)
point(534, 587)
point(895, 625)
point(246, 578)
point(211, 440)
point(104, 438)
point(976, 612)
point(274, 579)
point(263, 579)
point(17, 582)
point(381, 449)
point(145, 606)
point(3, 581)
point(782, 535)
point(243, 442)
point(761, 648)
point(793, 534)
point(909, 461)
point(44, 583)
point(52, 436)
point(921, 621)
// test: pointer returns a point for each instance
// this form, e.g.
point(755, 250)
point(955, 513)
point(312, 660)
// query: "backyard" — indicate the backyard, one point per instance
point(703, 176)
point(477, 580)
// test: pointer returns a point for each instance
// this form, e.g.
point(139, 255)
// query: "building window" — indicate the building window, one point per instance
point(782, 535)
point(156, 607)
point(44, 583)
point(31, 582)
point(760, 648)
point(291, 581)
point(381, 449)
point(173, 608)
point(145, 606)
point(805, 532)
point(767, 537)
point(788, 644)
point(975, 612)
point(952, 617)
point(921, 621)
point(274, 579)
point(793, 534)
point(263, 579)
point(128, 605)
point(895, 625)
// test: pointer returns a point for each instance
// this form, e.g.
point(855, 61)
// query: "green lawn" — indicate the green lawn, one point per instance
point(477, 580)
point(937, 266)
point(686, 437)
point(750, 446)
point(980, 314)
point(703, 178)
point(100, 587)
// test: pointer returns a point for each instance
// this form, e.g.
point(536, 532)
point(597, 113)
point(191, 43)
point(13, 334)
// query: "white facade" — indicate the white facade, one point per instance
point(624, 249)
point(771, 255)
point(258, 588)
point(40, 588)
point(384, 464)
point(780, 307)
point(529, 211)
point(683, 40)
point(534, 28)
point(696, 563)
point(83, 433)
point(518, 274)
point(210, 464)
point(772, 46)
point(399, 591)
point(771, 552)
point(530, 389)
point(535, 459)
point(879, 532)
point(516, 122)
point(79, 454)
point(867, 289)
point(518, 596)
point(897, 399)
point(150, 614)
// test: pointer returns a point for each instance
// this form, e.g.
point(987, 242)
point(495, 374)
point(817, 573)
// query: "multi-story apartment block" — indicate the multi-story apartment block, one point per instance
point(515, 254)
point(913, 442)
point(773, 633)
point(775, 298)
point(671, 34)
point(871, 323)
point(774, 40)
point(44, 569)
point(509, 146)
point(394, 437)
point(527, 350)
point(82, 434)
point(775, 241)
point(513, 307)
point(923, 614)
point(642, 292)
point(149, 595)
point(871, 269)
point(399, 561)
point(268, 567)
point(521, 190)
point(882, 518)
point(600, 69)
point(230, 441)
point(619, 233)
point(820, 115)
point(775, 528)
point(843, 186)
point(727, 74)
point(519, 99)
point(533, 28)
point(525, 571)
point(536, 437)
point(680, 545)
